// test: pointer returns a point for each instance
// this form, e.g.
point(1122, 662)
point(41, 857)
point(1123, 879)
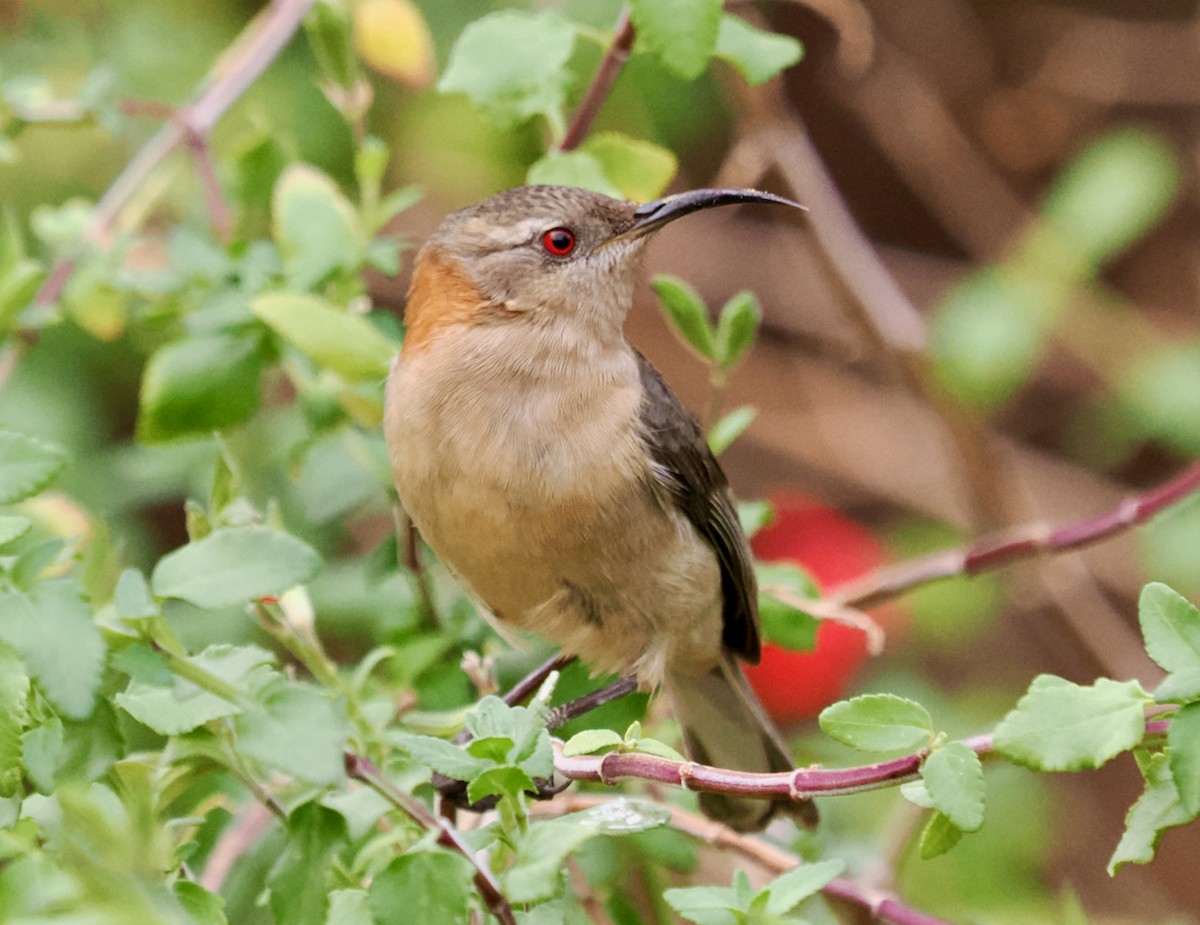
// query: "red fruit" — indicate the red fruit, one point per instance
point(832, 549)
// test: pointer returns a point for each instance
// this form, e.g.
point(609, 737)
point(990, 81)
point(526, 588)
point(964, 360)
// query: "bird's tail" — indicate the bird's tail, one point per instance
point(724, 725)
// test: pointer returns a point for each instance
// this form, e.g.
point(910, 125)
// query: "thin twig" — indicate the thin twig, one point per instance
point(882, 904)
point(602, 84)
point(365, 771)
point(233, 73)
point(996, 551)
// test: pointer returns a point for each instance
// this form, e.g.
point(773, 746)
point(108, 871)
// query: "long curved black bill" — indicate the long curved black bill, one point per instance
point(653, 215)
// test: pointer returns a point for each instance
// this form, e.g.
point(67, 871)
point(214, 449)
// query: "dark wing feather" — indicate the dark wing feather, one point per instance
point(687, 469)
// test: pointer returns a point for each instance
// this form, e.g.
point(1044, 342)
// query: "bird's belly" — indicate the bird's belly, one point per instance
point(557, 529)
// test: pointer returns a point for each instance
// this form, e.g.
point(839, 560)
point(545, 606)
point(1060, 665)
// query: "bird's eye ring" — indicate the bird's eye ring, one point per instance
point(558, 242)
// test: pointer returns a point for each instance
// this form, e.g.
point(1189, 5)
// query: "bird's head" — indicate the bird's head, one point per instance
point(543, 253)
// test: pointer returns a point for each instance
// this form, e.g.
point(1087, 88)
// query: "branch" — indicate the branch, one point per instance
point(998, 550)
point(602, 84)
point(363, 770)
point(233, 73)
point(882, 904)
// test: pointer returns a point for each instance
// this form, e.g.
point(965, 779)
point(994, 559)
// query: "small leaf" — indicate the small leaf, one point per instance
point(790, 889)
point(132, 598)
point(1179, 687)
point(234, 565)
point(782, 622)
point(589, 741)
point(953, 777)
point(504, 781)
point(757, 55)
point(201, 906)
point(917, 794)
point(687, 314)
point(328, 31)
point(754, 515)
point(441, 756)
point(659, 749)
point(1171, 627)
point(297, 730)
point(571, 168)
point(348, 344)
point(878, 723)
point(640, 170)
point(315, 227)
point(939, 836)
point(27, 465)
point(13, 527)
point(1158, 808)
point(393, 39)
point(349, 907)
point(1183, 741)
point(729, 427)
point(14, 694)
point(681, 33)
point(513, 88)
point(297, 883)
point(1060, 726)
point(736, 329)
point(53, 630)
point(199, 384)
point(422, 886)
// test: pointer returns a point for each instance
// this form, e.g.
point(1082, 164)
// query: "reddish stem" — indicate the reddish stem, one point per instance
point(602, 84)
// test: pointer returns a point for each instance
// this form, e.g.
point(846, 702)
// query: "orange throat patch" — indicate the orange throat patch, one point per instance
point(439, 297)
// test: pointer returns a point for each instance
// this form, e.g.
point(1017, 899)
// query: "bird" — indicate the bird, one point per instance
point(557, 476)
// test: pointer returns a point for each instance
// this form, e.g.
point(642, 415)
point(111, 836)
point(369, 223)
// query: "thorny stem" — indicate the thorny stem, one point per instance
point(365, 771)
point(233, 73)
point(882, 904)
point(990, 553)
point(602, 84)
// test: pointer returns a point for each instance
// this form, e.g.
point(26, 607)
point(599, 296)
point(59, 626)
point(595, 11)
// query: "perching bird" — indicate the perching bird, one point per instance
point(556, 474)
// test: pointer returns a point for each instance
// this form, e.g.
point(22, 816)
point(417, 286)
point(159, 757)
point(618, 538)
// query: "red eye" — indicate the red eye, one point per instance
point(558, 241)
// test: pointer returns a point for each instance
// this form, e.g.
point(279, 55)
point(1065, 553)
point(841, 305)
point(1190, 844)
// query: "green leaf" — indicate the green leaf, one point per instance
point(315, 227)
point(297, 730)
point(687, 314)
point(1171, 627)
point(939, 836)
point(640, 170)
point(729, 427)
point(1160, 395)
point(348, 344)
point(506, 781)
point(538, 865)
point(14, 692)
point(13, 527)
point(916, 793)
point(1183, 741)
point(201, 906)
point(878, 723)
point(589, 741)
point(173, 706)
point(757, 55)
point(649, 746)
point(513, 87)
point(53, 630)
point(132, 599)
point(1112, 194)
point(953, 777)
point(1179, 687)
point(1060, 726)
point(1158, 808)
point(199, 384)
point(783, 623)
point(441, 756)
point(297, 884)
point(754, 515)
point(349, 907)
point(790, 889)
point(681, 33)
point(571, 168)
point(736, 328)
point(27, 465)
point(328, 30)
point(706, 905)
point(234, 565)
point(422, 886)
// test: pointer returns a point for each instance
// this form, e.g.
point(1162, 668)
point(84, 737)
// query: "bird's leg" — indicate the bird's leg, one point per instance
point(597, 698)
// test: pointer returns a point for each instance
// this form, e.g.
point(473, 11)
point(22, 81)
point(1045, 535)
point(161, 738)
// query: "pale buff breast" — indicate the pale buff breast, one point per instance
point(540, 499)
